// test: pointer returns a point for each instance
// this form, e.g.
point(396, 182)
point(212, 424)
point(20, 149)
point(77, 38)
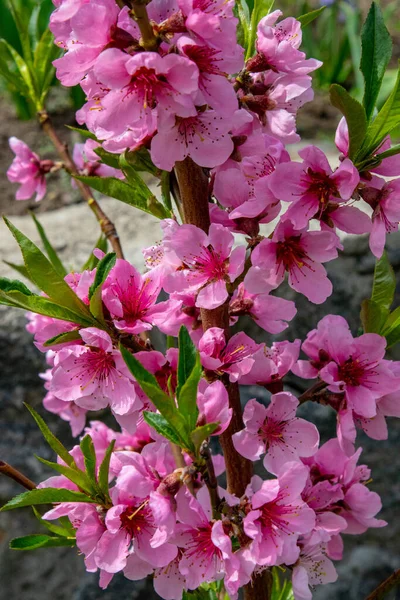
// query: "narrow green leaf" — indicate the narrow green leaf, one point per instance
point(45, 496)
point(187, 356)
point(391, 152)
point(45, 53)
point(103, 269)
point(108, 158)
point(373, 316)
point(355, 116)
point(309, 17)
point(89, 455)
point(92, 261)
point(21, 269)
point(21, 18)
point(10, 71)
point(52, 526)
point(166, 190)
point(43, 306)
point(376, 53)
point(387, 119)
point(384, 283)
point(51, 439)
point(202, 433)
point(44, 275)
point(84, 132)
point(187, 398)
point(11, 285)
point(38, 540)
point(62, 338)
point(161, 425)
point(51, 253)
point(75, 475)
point(104, 469)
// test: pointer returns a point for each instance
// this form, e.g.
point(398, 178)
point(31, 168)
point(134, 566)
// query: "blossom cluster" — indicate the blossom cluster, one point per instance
point(192, 94)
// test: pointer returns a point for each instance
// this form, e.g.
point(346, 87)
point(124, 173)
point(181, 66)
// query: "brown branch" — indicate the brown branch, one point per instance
point(193, 185)
point(311, 393)
point(106, 225)
point(210, 480)
point(16, 475)
point(385, 587)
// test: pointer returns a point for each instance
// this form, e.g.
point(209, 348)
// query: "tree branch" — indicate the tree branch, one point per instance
point(210, 480)
point(385, 587)
point(106, 225)
point(148, 40)
point(16, 475)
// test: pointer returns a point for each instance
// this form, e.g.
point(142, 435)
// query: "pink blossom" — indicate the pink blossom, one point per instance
point(385, 203)
point(272, 364)
point(277, 432)
point(88, 162)
point(203, 136)
point(234, 357)
point(60, 19)
point(300, 253)
point(70, 412)
point(312, 187)
point(141, 83)
point(94, 375)
point(277, 516)
point(269, 312)
point(80, 283)
point(28, 170)
point(44, 328)
point(131, 298)
point(208, 262)
point(213, 404)
point(312, 568)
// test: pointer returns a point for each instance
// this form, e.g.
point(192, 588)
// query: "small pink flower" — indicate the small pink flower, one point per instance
point(277, 432)
point(272, 364)
point(277, 516)
point(131, 298)
point(213, 404)
point(385, 203)
point(203, 136)
point(28, 170)
point(208, 263)
point(312, 568)
point(300, 253)
point(234, 357)
point(88, 162)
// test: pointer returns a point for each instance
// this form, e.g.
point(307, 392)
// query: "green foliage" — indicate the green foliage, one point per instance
point(62, 338)
point(38, 540)
point(355, 116)
point(309, 17)
point(45, 496)
point(250, 15)
point(92, 261)
point(376, 53)
point(51, 253)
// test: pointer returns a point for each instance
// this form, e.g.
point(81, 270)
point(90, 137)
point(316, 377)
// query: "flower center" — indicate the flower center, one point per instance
point(272, 431)
point(321, 186)
point(137, 519)
point(205, 58)
point(147, 84)
point(352, 372)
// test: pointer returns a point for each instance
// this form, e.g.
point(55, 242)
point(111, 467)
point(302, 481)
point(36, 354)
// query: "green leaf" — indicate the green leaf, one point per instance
point(105, 468)
point(84, 132)
point(75, 475)
point(63, 531)
point(376, 54)
point(310, 16)
point(103, 269)
point(391, 152)
point(89, 455)
point(45, 276)
point(15, 71)
point(355, 116)
point(43, 306)
point(202, 433)
point(164, 404)
point(384, 283)
point(10, 285)
point(187, 396)
point(62, 338)
point(51, 439)
point(92, 261)
point(108, 158)
point(21, 269)
point(187, 356)
point(161, 425)
point(45, 53)
point(141, 160)
point(21, 17)
point(387, 119)
point(142, 191)
point(260, 10)
point(45, 496)
point(51, 253)
point(38, 540)
point(373, 316)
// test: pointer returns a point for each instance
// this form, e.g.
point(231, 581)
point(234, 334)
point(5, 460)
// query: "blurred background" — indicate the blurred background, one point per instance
point(59, 573)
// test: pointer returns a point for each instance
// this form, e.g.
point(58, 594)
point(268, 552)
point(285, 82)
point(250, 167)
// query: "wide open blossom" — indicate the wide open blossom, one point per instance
point(204, 136)
point(278, 516)
point(269, 312)
point(141, 83)
point(300, 253)
point(28, 170)
point(234, 357)
point(313, 190)
point(276, 431)
point(208, 263)
point(312, 568)
point(94, 375)
point(384, 199)
point(272, 364)
point(131, 298)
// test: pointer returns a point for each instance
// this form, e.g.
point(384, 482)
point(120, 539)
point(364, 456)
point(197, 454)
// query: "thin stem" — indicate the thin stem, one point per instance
point(16, 475)
point(385, 587)
point(312, 392)
point(106, 225)
point(148, 40)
